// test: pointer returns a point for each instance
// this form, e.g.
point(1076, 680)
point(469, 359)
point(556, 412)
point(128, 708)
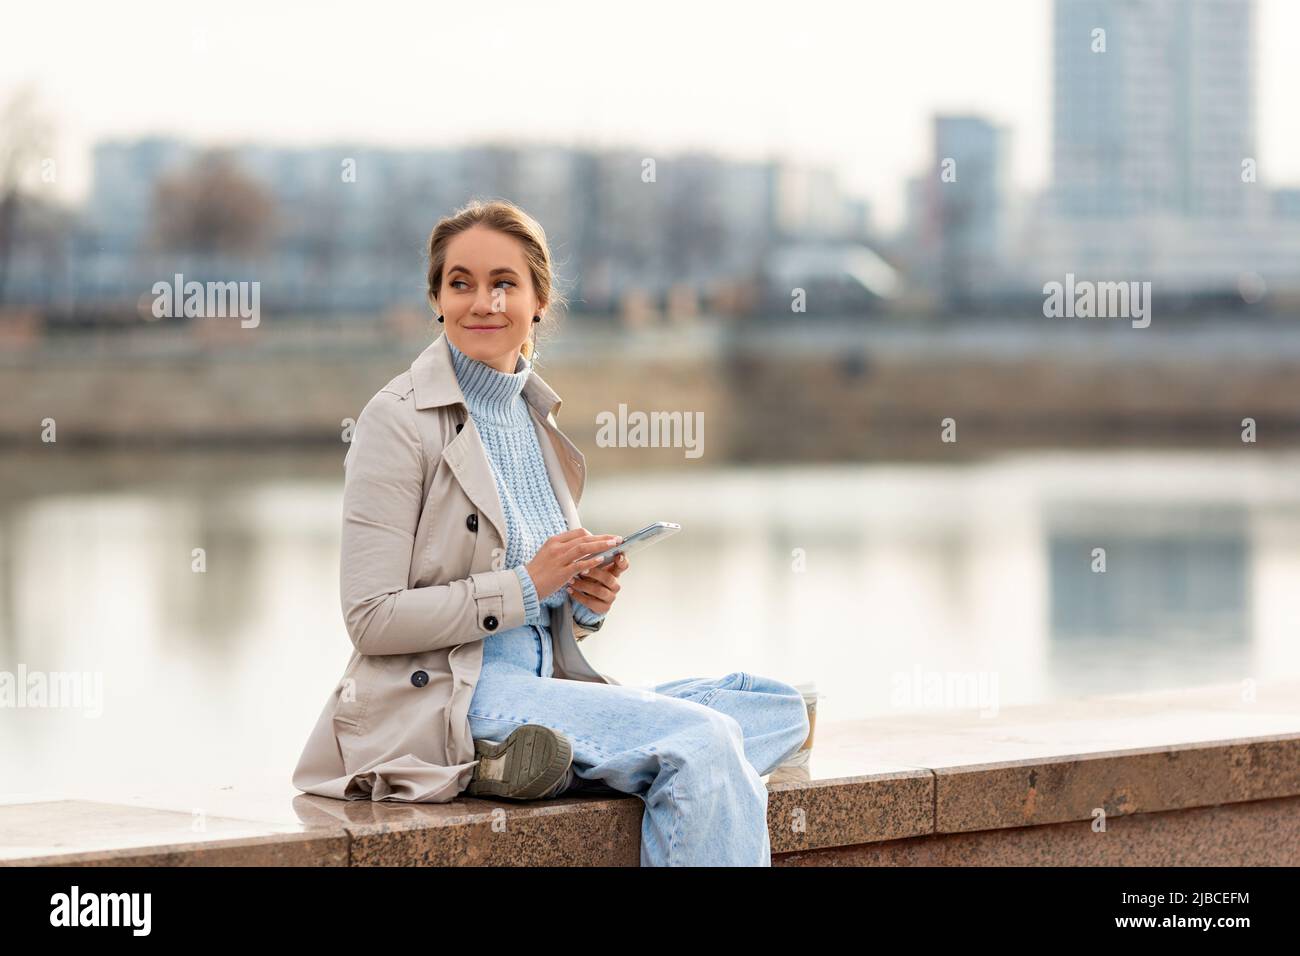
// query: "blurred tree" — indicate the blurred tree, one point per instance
point(212, 207)
point(24, 139)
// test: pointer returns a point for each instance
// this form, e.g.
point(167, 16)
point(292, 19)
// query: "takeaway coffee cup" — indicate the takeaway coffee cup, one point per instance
point(809, 691)
point(796, 768)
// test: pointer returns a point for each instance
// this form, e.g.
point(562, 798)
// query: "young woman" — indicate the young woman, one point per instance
point(466, 585)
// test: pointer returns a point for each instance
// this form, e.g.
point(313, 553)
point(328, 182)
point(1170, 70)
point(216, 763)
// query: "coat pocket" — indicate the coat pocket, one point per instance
point(353, 696)
point(356, 691)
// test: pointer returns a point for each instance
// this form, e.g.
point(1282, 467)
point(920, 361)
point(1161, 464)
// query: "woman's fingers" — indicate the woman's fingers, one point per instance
point(607, 578)
point(612, 570)
point(582, 566)
point(586, 587)
point(587, 545)
point(608, 574)
point(597, 588)
point(589, 587)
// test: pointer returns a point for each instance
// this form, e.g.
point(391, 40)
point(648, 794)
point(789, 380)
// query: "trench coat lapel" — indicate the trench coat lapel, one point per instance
point(434, 378)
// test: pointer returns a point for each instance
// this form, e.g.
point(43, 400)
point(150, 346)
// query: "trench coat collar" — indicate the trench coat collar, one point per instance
point(434, 378)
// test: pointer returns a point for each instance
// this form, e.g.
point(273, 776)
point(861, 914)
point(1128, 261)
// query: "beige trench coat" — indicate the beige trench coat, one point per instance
point(421, 583)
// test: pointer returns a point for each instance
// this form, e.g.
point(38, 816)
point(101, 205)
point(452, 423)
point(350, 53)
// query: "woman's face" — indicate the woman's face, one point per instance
point(487, 299)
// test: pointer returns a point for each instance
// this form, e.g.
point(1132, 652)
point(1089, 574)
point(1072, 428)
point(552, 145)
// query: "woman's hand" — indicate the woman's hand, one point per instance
point(598, 587)
point(560, 558)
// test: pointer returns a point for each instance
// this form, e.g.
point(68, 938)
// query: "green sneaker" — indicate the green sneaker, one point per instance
point(534, 762)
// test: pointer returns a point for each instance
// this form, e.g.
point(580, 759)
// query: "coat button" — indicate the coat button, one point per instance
point(472, 522)
point(459, 426)
point(420, 678)
point(490, 622)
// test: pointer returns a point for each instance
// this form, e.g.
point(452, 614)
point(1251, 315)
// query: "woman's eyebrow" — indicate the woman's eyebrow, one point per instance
point(492, 273)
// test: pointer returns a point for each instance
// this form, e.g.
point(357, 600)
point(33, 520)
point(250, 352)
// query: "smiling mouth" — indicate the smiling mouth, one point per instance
point(484, 328)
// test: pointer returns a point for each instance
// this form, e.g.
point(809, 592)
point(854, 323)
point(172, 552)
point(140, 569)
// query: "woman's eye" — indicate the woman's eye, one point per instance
point(453, 282)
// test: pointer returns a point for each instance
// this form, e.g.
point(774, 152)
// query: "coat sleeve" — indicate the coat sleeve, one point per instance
point(585, 618)
point(383, 493)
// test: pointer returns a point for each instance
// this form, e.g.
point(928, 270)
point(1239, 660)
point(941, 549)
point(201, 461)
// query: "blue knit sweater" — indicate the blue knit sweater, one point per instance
point(500, 412)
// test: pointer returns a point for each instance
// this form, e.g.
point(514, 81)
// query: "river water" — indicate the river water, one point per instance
point(893, 587)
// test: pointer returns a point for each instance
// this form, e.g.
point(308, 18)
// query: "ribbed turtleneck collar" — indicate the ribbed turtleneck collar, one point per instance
point(492, 396)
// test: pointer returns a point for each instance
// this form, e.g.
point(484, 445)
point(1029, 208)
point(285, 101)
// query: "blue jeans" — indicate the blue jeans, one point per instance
point(693, 750)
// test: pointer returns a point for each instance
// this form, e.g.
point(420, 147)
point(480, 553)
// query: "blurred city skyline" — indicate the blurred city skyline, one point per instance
point(703, 95)
point(1156, 175)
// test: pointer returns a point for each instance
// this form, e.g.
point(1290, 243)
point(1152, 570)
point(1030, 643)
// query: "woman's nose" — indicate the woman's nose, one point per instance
point(483, 302)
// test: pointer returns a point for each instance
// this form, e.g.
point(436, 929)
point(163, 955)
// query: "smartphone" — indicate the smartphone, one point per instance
point(638, 540)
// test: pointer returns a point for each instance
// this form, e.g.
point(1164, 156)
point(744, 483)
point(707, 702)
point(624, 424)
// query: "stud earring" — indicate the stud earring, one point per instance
point(537, 318)
point(439, 318)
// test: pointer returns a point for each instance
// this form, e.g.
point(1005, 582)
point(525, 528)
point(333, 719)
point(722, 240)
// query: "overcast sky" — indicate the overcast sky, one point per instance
point(854, 85)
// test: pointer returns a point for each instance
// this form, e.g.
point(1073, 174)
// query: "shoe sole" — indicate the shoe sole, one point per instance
point(524, 766)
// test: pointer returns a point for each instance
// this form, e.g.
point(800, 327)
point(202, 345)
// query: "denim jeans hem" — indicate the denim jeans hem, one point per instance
point(746, 683)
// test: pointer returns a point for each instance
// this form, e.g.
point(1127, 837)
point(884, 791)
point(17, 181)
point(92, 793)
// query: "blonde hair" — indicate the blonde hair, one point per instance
point(503, 216)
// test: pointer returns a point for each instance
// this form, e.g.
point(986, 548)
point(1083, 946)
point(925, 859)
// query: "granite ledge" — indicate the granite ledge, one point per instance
point(867, 782)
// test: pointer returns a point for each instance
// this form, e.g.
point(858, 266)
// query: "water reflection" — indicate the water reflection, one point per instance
point(866, 579)
point(1147, 573)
